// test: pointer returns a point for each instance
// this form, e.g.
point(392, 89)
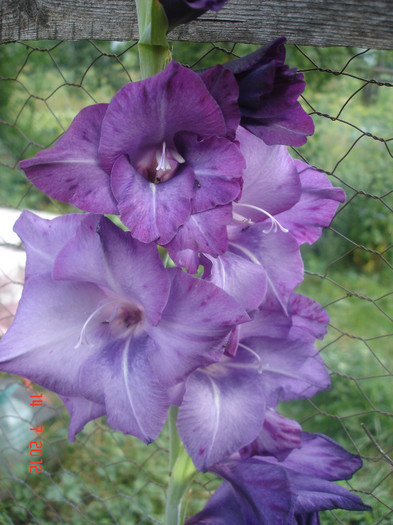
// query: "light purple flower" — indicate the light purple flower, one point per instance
point(102, 323)
point(268, 96)
point(226, 404)
point(261, 490)
point(157, 154)
point(284, 203)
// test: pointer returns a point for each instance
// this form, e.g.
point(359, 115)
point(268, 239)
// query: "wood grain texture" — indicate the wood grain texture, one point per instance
point(361, 23)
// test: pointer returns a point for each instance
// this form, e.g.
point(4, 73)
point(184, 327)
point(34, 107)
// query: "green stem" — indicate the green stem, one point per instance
point(182, 472)
point(153, 46)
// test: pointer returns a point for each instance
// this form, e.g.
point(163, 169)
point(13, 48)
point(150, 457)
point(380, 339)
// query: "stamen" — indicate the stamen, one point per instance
point(82, 337)
point(163, 161)
point(274, 222)
point(176, 156)
point(260, 365)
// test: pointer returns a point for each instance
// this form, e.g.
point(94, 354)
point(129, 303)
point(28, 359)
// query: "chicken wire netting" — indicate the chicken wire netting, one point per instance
point(105, 477)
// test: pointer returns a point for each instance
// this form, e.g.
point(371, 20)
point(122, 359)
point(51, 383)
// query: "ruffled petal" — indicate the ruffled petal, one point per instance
point(70, 171)
point(152, 212)
point(222, 410)
point(195, 327)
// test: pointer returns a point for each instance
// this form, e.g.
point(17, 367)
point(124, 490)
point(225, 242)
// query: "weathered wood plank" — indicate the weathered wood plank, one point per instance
point(361, 23)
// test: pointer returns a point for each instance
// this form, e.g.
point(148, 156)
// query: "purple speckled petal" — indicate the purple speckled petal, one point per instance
point(271, 181)
point(70, 171)
point(316, 207)
point(222, 410)
point(223, 87)
point(218, 166)
point(152, 212)
point(145, 114)
point(195, 327)
point(309, 319)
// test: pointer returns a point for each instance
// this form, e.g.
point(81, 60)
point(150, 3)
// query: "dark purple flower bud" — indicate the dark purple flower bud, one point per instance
point(183, 11)
point(268, 98)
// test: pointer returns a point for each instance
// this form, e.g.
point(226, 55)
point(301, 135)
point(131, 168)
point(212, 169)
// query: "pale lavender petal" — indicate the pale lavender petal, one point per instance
point(81, 412)
point(50, 358)
point(70, 171)
point(103, 254)
point(271, 181)
point(203, 232)
point(43, 239)
point(290, 369)
point(241, 278)
point(195, 327)
point(222, 410)
point(316, 207)
point(277, 252)
point(309, 319)
point(136, 403)
point(218, 165)
point(223, 87)
point(147, 113)
point(152, 212)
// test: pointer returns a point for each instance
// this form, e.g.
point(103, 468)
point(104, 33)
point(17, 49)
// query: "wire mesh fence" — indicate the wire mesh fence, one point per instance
point(105, 477)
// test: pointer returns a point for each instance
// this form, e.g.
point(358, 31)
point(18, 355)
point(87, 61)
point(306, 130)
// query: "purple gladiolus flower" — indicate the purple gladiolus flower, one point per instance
point(182, 11)
point(226, 405)
point(102, 323)
point(261, 490)
point(268, 96)
point(284, 203)
point(158, 155)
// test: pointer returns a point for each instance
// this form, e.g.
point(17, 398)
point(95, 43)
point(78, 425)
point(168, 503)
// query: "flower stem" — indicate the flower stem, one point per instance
point(153, 46)
point(182, 472)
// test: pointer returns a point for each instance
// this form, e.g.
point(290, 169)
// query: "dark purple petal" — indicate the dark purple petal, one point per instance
point(271, 181)
point(135, 401)
point(268, 96)
point(218, 165)
point(278, 437)
point(316, 207)
point(223, 87)
point(203, 232)
point(103, 254)
point(261, 490)
point(44, 239)
point(269, 321)
point(70, 171)
point(142, 115)
point(152, 212)
point(241, 278)
point(183, 11)
point(222, 410)
point(221, 509)
point(277, 252)
point(195, 327)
